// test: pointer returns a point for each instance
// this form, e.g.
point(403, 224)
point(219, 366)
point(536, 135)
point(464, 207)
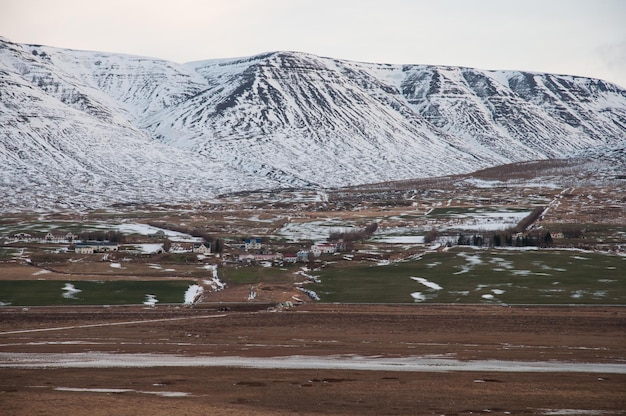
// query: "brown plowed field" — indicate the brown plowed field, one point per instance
point(550, 334)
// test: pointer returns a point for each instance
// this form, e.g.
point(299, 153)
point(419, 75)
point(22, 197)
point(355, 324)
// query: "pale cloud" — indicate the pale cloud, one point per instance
point(582, 37)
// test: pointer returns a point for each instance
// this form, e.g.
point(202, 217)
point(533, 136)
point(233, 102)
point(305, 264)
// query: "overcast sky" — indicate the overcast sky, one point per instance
point(577, 37)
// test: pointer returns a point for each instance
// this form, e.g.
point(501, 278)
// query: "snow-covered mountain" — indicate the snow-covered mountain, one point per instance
point(88, 129)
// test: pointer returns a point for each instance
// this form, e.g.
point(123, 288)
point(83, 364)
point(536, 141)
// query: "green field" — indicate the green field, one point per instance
point(483, 276)
point(51, 292)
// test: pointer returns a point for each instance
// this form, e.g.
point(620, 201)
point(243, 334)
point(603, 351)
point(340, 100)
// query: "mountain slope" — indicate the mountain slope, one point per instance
point(336, 122)
point(296, 115)
point(61, 147)
point(113, 128)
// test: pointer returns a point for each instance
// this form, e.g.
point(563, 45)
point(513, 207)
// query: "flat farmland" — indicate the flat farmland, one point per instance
point(314, 359)
point(456, 304)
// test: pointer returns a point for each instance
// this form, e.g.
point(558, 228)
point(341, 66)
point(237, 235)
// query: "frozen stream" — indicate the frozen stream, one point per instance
point(332, 362)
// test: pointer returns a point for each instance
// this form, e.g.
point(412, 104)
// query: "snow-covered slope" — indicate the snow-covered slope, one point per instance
point(65, 144)
point(89, 128)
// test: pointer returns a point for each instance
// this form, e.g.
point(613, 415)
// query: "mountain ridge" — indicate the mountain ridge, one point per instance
point(275, 119)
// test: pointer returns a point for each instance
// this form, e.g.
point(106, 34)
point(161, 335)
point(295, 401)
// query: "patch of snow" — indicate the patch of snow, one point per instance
point(418, 297)
point(487, 221)
point(309, 292)
point(149, 248)
point(193, 294)
point(117, 391)
point(151, 300)
point(256, 218)
point(145, 229)
point(404, 239)
point(317, 231)
point(427, 283)
point(482, 183)
point(460, 292)
point(576, 412)
point(498, 261)
point(330, 362)
point(93, 390)
point(70, 291)
point(464, 269)
point(214, 282)
point(303, 272)
point(473, 260)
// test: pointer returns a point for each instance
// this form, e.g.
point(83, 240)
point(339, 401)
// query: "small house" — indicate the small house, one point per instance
point(316, 251)
point(82, 248)
point(22, 236)
point(201, 248)
point(252, 244)
point(302, 255)
point(325, 248)
point(290, 259)
point(268, 257)
point(91, 247)
point(246, 258)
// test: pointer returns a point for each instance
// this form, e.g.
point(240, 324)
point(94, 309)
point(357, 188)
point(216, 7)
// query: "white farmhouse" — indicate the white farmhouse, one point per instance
point(91, 247)
point(201, 248)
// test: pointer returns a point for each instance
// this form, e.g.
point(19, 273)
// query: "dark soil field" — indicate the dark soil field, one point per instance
point(467, 333)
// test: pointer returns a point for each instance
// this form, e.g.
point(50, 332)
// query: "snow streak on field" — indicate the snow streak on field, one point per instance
point(332, 362)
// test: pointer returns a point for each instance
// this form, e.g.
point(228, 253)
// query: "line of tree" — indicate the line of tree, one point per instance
point(431, 236)
point(529, 220)
point(512, 237)
point(506, 239)
point(112, 236)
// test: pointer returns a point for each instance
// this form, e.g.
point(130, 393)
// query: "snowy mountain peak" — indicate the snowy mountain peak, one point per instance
point(120, 128)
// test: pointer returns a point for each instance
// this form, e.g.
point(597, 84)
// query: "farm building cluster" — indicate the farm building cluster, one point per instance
point(252, 250)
